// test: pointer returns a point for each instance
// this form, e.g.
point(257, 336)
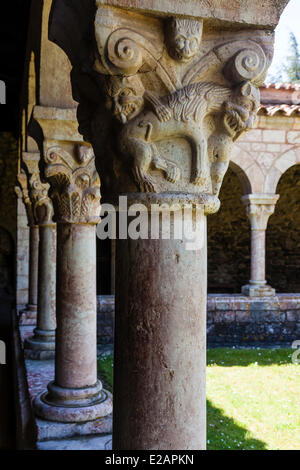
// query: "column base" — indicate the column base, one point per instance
point(67, 405)
point(256, 290)
point(41, 346)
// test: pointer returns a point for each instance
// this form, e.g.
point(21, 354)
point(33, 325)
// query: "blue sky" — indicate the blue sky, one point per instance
point(289, 21)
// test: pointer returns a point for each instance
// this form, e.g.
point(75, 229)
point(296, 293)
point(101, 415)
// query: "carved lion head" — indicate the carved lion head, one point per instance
point(241, 109)
point(125, 97)
point(183, 38)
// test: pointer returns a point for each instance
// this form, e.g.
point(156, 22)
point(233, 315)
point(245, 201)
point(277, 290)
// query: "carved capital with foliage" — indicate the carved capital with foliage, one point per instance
point(163, 98)
point(41, 205)
point(259, 208)
point(75, 184)
point(23, 193)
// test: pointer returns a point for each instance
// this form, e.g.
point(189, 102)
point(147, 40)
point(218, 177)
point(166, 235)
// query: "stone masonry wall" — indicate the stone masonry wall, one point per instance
point(232, 320)
point(229, 241)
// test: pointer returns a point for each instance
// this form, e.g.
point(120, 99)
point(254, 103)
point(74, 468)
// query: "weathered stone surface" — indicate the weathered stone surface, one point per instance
point(266, 14)
point(249, 320)
point(84, 443)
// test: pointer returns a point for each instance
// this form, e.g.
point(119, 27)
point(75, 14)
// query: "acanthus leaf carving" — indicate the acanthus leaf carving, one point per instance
point(74, 181)
point(39, 205)
point(180, 97)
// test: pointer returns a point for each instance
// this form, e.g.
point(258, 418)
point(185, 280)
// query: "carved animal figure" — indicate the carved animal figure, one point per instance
point(240, 116)
point(181, 114)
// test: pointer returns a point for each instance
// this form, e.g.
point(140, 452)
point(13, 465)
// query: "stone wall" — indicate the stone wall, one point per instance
point(238, 320)
point(283, 235)
point(232, 320)
point(229, 241)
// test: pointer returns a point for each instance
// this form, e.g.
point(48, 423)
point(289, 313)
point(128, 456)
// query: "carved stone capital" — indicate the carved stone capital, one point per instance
point(163, 98)
point(75, 184)
point(41, 204)
point(23, 193)
point(69, 167)
point(259, 208)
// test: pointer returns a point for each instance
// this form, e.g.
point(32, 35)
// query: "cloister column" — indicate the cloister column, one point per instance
point(76, 395)
point(259, 208)
point(161, 102)
point(30, 311)
point(42, 344)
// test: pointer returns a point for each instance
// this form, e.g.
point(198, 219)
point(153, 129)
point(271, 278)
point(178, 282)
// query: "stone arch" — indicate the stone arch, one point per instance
point(280, 166)
point(6, 262)
point(247, 170)
point(283, 234)
point(2, 92)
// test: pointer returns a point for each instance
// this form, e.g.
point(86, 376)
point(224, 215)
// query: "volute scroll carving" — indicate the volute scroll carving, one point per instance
point(176, 99)
point(74, 181)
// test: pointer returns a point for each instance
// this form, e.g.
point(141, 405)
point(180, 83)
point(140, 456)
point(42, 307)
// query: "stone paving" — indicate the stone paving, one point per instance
point(61, 436)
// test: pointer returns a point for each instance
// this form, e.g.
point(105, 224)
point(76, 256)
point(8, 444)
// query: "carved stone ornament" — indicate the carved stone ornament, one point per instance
point(167, 99)
point(75, 183)
point(23, 193)
point(41, 204)
point(259, 208)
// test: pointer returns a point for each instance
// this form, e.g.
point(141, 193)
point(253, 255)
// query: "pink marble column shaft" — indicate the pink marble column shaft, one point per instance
point(76, 395)
point(42, 344)
point(33, 267)
point(76, 306)
point(160, 345)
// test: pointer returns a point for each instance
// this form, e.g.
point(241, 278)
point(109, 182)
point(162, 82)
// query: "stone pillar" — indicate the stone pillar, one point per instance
point(42, 344)
point(259, 208)
point(33, 269)
point(160, 339)
point(76, 395)
point(30, 312)
point(162, 102)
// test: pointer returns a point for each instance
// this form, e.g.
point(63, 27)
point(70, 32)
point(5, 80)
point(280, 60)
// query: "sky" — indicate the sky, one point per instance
point(289, 22)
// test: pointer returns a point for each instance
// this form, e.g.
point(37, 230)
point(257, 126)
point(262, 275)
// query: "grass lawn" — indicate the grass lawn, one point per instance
point(253, 398)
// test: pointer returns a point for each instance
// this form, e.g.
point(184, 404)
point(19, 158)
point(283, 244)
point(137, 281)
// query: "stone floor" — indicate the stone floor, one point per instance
point(61, 436)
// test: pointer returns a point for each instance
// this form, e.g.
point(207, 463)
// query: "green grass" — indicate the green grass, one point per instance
point(253, 398)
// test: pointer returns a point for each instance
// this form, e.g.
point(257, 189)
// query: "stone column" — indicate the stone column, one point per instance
point(76, 395)
point(161, 102)
point(30, 311)
point(259, 208)
point(42, 344)
point(33, 269)
point(160, 339)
